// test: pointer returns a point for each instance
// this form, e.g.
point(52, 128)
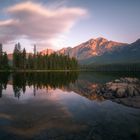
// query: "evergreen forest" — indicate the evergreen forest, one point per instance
point(21, 60)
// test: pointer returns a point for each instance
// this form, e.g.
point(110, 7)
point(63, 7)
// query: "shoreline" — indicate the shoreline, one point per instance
point(79, 70)
point(11, 71)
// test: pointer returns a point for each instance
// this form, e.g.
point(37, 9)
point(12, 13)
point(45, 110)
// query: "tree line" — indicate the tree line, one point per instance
point(36, 61)
point(112, 67)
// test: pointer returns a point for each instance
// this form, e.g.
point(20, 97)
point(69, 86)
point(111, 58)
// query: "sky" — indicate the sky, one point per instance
point(56, 24)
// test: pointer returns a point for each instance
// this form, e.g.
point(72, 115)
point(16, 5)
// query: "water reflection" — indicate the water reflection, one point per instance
point(81, 84)
point(67, 111)
point(4, 77)
point(19, 81)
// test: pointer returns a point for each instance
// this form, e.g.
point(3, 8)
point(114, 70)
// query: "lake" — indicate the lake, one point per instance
point(57, 106)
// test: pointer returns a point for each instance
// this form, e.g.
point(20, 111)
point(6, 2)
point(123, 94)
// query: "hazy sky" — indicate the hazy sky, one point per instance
point(61, 23)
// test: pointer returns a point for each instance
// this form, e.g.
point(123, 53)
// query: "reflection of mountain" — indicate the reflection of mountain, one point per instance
point(84, 88)
point(124, 91)
point(93, 86)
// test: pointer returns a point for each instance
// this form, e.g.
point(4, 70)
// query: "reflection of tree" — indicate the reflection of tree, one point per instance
point(53, 80)
point(19, 83)
point(37, 80)
point(34, 90)
point(4, 77)
point(42, 80)
point(0, 90)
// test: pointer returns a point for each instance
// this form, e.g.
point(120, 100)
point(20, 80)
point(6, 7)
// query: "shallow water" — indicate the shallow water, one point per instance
point(44, 106)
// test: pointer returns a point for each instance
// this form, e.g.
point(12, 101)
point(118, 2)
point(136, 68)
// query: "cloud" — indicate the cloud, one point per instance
point(35, 22)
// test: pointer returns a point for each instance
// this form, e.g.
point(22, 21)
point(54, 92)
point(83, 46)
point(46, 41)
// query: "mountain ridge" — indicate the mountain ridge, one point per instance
point(126, 54)
point(101, 51)
point(92, 47)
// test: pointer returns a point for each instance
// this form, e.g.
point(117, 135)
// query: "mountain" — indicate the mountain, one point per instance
point(101, 51)
point(44, 52)
point(129, 53)
point(47, 51)
point(10, 56)
point(92, 48)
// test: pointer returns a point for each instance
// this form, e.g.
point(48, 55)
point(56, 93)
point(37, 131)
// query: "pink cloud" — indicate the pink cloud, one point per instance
point(38, 23)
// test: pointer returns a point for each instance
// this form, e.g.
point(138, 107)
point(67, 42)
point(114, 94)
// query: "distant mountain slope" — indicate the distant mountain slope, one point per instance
point(10, 56)
point(101, 51)
point(126, 54)
point(47, 51)
point(92, 48)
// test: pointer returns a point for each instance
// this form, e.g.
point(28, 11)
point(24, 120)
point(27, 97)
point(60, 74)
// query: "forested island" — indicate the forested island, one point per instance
point(21, 60)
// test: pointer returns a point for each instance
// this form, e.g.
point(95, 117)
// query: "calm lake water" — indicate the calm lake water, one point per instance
point(55, 106)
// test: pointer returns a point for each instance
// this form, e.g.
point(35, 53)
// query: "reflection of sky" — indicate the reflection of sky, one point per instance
point(41, 94)
point(31, 93)
point(63, 112)
point(66, 112)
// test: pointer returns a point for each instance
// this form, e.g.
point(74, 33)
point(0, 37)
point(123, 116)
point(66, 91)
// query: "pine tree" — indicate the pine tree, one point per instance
point(5, 61)
point(1, 53)
point(30, 62)
point(24, 59)
point(17, 57)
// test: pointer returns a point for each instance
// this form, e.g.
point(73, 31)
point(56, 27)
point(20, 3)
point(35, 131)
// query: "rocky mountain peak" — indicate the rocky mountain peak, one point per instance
point(93, 47)
point(101, 39)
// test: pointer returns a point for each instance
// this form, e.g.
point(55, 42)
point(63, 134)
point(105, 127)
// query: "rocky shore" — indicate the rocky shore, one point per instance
point(124, 90)
point(123, 87)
